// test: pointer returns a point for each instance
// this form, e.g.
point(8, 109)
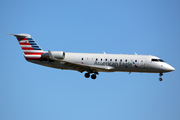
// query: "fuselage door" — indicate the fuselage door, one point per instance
point(142, 63)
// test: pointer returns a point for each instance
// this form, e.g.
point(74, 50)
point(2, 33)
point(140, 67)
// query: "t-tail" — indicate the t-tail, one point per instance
point(31, 49)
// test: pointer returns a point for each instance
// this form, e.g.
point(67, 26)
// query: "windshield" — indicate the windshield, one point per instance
point(160, 60)
point(157, 60)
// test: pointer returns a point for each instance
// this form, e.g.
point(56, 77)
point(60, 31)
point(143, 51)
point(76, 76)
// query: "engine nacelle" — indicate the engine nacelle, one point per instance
point(58, 54)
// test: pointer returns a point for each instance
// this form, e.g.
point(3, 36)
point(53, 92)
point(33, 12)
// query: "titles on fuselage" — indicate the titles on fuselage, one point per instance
point(114, 64)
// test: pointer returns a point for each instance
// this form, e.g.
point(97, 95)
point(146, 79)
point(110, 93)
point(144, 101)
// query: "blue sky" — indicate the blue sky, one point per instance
point(32, 92)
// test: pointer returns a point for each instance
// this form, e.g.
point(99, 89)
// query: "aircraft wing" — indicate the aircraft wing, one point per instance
point(81, 67)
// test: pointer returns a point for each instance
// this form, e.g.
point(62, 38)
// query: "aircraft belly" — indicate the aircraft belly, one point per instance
point(60, 65)
point(136, 69)
point(55, 64)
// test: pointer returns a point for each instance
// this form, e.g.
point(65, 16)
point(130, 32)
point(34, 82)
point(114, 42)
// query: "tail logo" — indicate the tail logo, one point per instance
point(31, 49)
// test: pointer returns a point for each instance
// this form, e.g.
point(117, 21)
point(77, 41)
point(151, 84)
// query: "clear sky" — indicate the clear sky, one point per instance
point(33, 92)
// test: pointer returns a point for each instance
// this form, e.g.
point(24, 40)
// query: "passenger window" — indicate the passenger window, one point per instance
point(115, 59)
point(101, 59)
point(96, 59)
point(126, 60)
point(120, 60)
point(110, 59)
point(82, 59)
point(135, 60)
point(106, 60)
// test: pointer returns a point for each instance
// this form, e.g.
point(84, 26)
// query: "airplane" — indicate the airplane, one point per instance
point(91, 63)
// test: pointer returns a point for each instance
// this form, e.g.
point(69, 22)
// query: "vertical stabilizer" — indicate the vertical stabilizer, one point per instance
point(31, 49)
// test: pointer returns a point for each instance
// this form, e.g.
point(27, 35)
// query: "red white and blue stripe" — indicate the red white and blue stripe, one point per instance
point(31, 49)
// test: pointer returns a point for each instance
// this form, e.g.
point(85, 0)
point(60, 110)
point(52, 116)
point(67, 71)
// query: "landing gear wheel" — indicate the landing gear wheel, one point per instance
point(160, 74)
point(93, 76)
point(160, 79)
point(87, 75)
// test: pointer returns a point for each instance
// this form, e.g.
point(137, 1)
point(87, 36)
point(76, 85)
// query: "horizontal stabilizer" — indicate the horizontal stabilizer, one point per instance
point(19, 35)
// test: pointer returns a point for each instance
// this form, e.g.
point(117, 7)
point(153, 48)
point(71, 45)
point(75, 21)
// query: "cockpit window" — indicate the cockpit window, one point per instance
point(154, 60)
point(157, 60)
point(160, 60)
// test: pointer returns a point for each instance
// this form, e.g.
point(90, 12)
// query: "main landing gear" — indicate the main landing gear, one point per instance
point(160, 75)
point(93, 76)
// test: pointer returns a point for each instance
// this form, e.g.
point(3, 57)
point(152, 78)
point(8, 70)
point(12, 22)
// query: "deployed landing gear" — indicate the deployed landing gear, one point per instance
point(93, 76)
point(87, 75)
point(160, 79)
point(160, 74)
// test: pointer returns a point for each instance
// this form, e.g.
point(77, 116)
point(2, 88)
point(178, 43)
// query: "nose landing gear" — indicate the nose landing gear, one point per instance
point(160, 74)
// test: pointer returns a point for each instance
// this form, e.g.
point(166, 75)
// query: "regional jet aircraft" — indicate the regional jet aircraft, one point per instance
point(91, 63)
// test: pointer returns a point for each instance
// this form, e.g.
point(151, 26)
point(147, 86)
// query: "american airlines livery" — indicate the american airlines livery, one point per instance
point(90, 62)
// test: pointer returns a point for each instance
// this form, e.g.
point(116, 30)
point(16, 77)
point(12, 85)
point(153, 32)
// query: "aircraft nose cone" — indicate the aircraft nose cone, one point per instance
point(168, 68)
point(171, 68)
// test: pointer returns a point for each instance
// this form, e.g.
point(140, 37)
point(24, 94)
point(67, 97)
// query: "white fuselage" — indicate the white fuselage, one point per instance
point(119, 62)
point(91, 63)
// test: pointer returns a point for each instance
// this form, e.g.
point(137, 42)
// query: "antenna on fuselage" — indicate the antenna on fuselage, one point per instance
point(104, 52)
point(135, 53)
